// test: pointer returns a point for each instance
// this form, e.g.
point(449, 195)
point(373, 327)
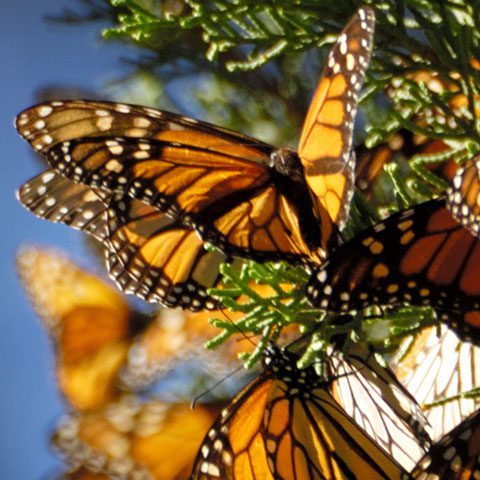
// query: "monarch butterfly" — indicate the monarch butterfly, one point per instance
point(438, 366)
point(419, 256)
point(399, 145)
point(464, 196)
point(135, 439)
point(286, 425)
point(456, 456)
point(89, 323)
point(242, 195)
point(179, 270)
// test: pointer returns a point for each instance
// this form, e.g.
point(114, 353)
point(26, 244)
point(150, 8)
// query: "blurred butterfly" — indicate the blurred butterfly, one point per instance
point(286, 424)
point(90, 325)
point(244, 196)
point(82, 473)
point(134, 439)
point(102, 346)
point(456, 456)
point(464, 196)
point(183, 333)
point(438, 366)
point(398, 147)
point(419, 256)
point(149, 254)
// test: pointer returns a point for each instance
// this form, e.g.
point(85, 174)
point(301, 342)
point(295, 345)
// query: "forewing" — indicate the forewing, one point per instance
point(47, 124)
point(326, 138)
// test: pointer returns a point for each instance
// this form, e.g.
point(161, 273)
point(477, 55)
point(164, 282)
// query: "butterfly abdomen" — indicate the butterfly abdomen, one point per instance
point(289, 178)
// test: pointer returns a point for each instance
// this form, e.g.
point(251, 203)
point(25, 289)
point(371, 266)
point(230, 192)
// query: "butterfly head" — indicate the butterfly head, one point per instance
point(286, 162)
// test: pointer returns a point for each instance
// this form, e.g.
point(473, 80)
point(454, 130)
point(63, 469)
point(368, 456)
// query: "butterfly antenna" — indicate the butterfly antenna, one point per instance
point(213, 387)
point(244, 335)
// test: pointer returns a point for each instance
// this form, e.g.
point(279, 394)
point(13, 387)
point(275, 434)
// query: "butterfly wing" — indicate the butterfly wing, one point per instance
point(159, 258)
point(215, 177)
point(326, 138)
point(379, 404)
point(233, 202)
point(133, 439)
point(285, 424)
point(88, 322)
point(420, 256)
point(50, 123)
point(55, 198)
point(140, 242)
point(456, 456)
point(464, 196)
point(438, 366)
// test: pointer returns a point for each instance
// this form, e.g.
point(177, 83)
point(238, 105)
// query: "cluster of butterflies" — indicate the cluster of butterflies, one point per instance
point(154, 187)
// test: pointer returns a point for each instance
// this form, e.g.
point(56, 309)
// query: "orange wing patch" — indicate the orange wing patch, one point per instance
point(464, 196)
point(159, 258)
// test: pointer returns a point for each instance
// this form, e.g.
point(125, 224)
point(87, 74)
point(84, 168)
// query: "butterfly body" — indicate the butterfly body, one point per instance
point(286, 176)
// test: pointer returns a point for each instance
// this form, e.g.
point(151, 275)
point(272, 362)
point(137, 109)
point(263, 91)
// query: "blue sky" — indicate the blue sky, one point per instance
point(34, 53)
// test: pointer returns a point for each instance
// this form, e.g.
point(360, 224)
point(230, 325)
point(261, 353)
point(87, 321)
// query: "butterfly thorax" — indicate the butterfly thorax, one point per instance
point(283, 366)
point(289, 177)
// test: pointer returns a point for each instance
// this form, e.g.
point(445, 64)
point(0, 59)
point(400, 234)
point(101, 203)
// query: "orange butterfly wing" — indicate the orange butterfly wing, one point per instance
point(326, 139)
point(148, 254)
point(203, 172)
point(233, 202)
point(285, 424)
point(419, 256)
point(50, 123)
point(159, 258)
